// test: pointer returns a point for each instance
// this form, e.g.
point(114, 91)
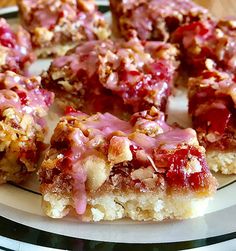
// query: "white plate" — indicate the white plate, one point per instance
point(21, 217)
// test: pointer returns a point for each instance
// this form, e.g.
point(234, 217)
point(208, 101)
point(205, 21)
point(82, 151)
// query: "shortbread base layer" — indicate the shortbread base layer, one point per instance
point(224, 162)
point(54, 50)
point(13, 174)
point(140, 207)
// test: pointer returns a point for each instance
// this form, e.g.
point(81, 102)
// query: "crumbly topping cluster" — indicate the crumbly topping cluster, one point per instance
point(61, 22)
point(22, 127)
point(208, 45)
point(15, 49)
point(154, 19)
point(137, 74)
point(212, 106)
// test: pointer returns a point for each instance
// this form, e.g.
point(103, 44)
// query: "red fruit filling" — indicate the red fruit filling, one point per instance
point(172, 166)
point(23, 97)
point(155, 82)
point(214, 119)
point(212, 106)
point(69, 110)
point(207, 40)
point(176, 163)
point(7, 37)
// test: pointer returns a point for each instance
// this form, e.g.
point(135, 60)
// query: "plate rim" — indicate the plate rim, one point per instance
point(51, 240)
point(16, 231)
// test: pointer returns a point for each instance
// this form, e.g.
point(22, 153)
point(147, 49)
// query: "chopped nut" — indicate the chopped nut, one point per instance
point(151, 128)
point(96, 141)
point(142, 173)
point(219, 33)
point(119, 150)
point(210, 64)
point(98, 171)
point(9, 113)
point(42, 35)
point(212, 137)
point(3, 56)
point(151, 183)
point(102, 33)
point(232, 23)
point(66, 85)
point(87, 5)
point(26, 121)
point(193, 166)
point(57, 74)
point(196, 50)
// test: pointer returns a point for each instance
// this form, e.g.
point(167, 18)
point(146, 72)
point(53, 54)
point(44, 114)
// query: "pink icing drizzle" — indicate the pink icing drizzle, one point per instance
point(80, 198)
point(107, 124)
point(24, 95)
point(17, 47)
point(79, 175)
point(84, 58)
point(169, 140)
point(9, 99)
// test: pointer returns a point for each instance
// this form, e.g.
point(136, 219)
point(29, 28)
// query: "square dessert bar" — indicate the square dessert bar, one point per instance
point(207, 39)
point(99, 167)
point(58, 25)
point(15, 49)
point(153, 19)
point(23, 106)
point(114, 76)
point(212, 103)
